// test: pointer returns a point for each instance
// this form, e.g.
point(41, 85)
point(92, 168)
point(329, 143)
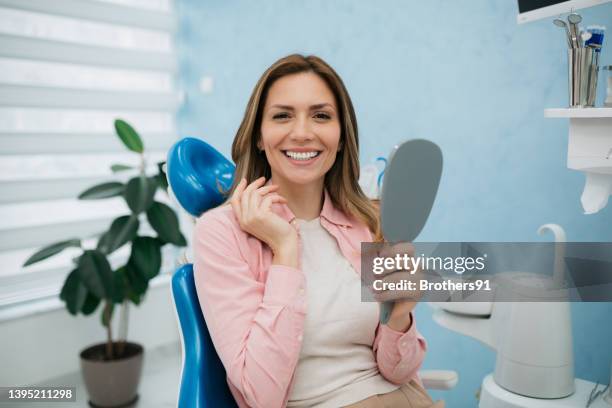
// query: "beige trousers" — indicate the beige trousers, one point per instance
point(410, 395)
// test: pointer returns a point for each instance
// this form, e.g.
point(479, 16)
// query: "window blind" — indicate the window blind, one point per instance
point(68, 69)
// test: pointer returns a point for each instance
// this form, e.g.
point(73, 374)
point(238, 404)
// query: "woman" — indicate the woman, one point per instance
point(277, 266)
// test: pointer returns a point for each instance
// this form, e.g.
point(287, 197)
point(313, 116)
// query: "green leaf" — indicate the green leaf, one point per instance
point(104, 190)
point(162, 178)
point(136, 299)
point(51, 250)
point(73, 292)
point(146, 256)
point(103, 243)
point(122, 230)
point(139, 193)
point(95, 272)
point(103, 318)
point(138, 283)
point(165, 222)
point(128, 136)
point(115, 168)
point(120, 283)
point(90, 304)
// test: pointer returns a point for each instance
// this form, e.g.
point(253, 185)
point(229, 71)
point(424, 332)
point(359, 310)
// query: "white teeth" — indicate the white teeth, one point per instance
point(301, 155)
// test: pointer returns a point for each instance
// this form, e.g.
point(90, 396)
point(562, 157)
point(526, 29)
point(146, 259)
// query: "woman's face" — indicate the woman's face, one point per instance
point(300, 129)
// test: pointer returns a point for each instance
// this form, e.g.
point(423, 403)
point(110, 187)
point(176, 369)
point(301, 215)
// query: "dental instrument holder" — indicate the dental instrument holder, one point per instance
point(608, 73)
point(582, 75)
point(410, 184)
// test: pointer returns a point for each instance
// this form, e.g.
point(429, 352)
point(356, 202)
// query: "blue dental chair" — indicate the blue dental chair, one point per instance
point(195, 171)
point(203, 378)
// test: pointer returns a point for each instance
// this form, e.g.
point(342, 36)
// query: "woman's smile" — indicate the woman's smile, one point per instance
point(301, 157)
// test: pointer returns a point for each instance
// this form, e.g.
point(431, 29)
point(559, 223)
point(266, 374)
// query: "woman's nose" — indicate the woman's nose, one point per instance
point(301, 129)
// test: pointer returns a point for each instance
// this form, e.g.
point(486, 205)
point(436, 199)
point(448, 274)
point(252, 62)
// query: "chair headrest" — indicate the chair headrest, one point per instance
point(198, 174)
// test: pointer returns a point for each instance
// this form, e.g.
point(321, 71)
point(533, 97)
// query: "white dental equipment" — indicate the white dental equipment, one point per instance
point(533, 339)
point(590, 151)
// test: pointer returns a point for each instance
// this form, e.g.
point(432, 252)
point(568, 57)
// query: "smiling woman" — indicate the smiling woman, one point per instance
point(277, 267)
point(300, 106)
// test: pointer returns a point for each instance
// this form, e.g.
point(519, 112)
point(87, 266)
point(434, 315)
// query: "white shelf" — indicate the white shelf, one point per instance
point(578, 113)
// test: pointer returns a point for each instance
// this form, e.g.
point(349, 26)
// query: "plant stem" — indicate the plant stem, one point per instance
point(143, 163)
point(123, 326)
point(109, 331)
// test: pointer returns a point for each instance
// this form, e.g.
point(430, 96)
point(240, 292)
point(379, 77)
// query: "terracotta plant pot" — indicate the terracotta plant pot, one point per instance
point(112, 383)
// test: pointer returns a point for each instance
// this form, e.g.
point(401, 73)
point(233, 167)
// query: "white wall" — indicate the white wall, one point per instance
point(39, 346)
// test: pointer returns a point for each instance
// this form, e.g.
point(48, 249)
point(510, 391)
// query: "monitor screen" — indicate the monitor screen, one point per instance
point(530, 10)
point(530, 5)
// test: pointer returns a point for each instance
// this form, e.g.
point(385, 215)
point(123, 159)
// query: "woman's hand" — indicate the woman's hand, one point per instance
point(404, 300)
point(252, 207)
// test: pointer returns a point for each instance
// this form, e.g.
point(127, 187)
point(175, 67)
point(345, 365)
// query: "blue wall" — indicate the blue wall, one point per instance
point(462, 74)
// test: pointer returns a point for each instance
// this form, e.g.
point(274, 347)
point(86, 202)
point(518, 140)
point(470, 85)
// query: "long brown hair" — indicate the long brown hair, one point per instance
point(341, 181)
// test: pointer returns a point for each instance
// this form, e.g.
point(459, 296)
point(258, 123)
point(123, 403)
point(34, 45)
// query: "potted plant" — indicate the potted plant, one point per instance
point(111, 370)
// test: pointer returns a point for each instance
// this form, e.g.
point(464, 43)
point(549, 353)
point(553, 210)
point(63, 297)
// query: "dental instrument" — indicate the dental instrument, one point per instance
point(595, 43)
point(560, 23)
point(573, 20)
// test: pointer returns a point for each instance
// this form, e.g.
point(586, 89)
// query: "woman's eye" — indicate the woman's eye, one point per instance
point(282, 115)
point(322, 115)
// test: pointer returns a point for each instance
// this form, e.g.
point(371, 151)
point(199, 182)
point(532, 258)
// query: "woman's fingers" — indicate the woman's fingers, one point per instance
point(235, 200)
point(246, 196)
point(256, 197)
point(266, 189)
point(405, 287)
point(239, 189)
point(402, 254)
point(401, 248)
point(248, 200)
point(404, 270)
point(266, 203)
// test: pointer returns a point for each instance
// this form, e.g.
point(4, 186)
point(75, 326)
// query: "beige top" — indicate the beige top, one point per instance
point(336, 366)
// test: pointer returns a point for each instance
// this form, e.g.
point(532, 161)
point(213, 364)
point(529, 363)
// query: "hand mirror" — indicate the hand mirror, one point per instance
point(409, 190)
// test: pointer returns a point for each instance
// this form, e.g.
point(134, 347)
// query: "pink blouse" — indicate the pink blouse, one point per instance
point(255, 311)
